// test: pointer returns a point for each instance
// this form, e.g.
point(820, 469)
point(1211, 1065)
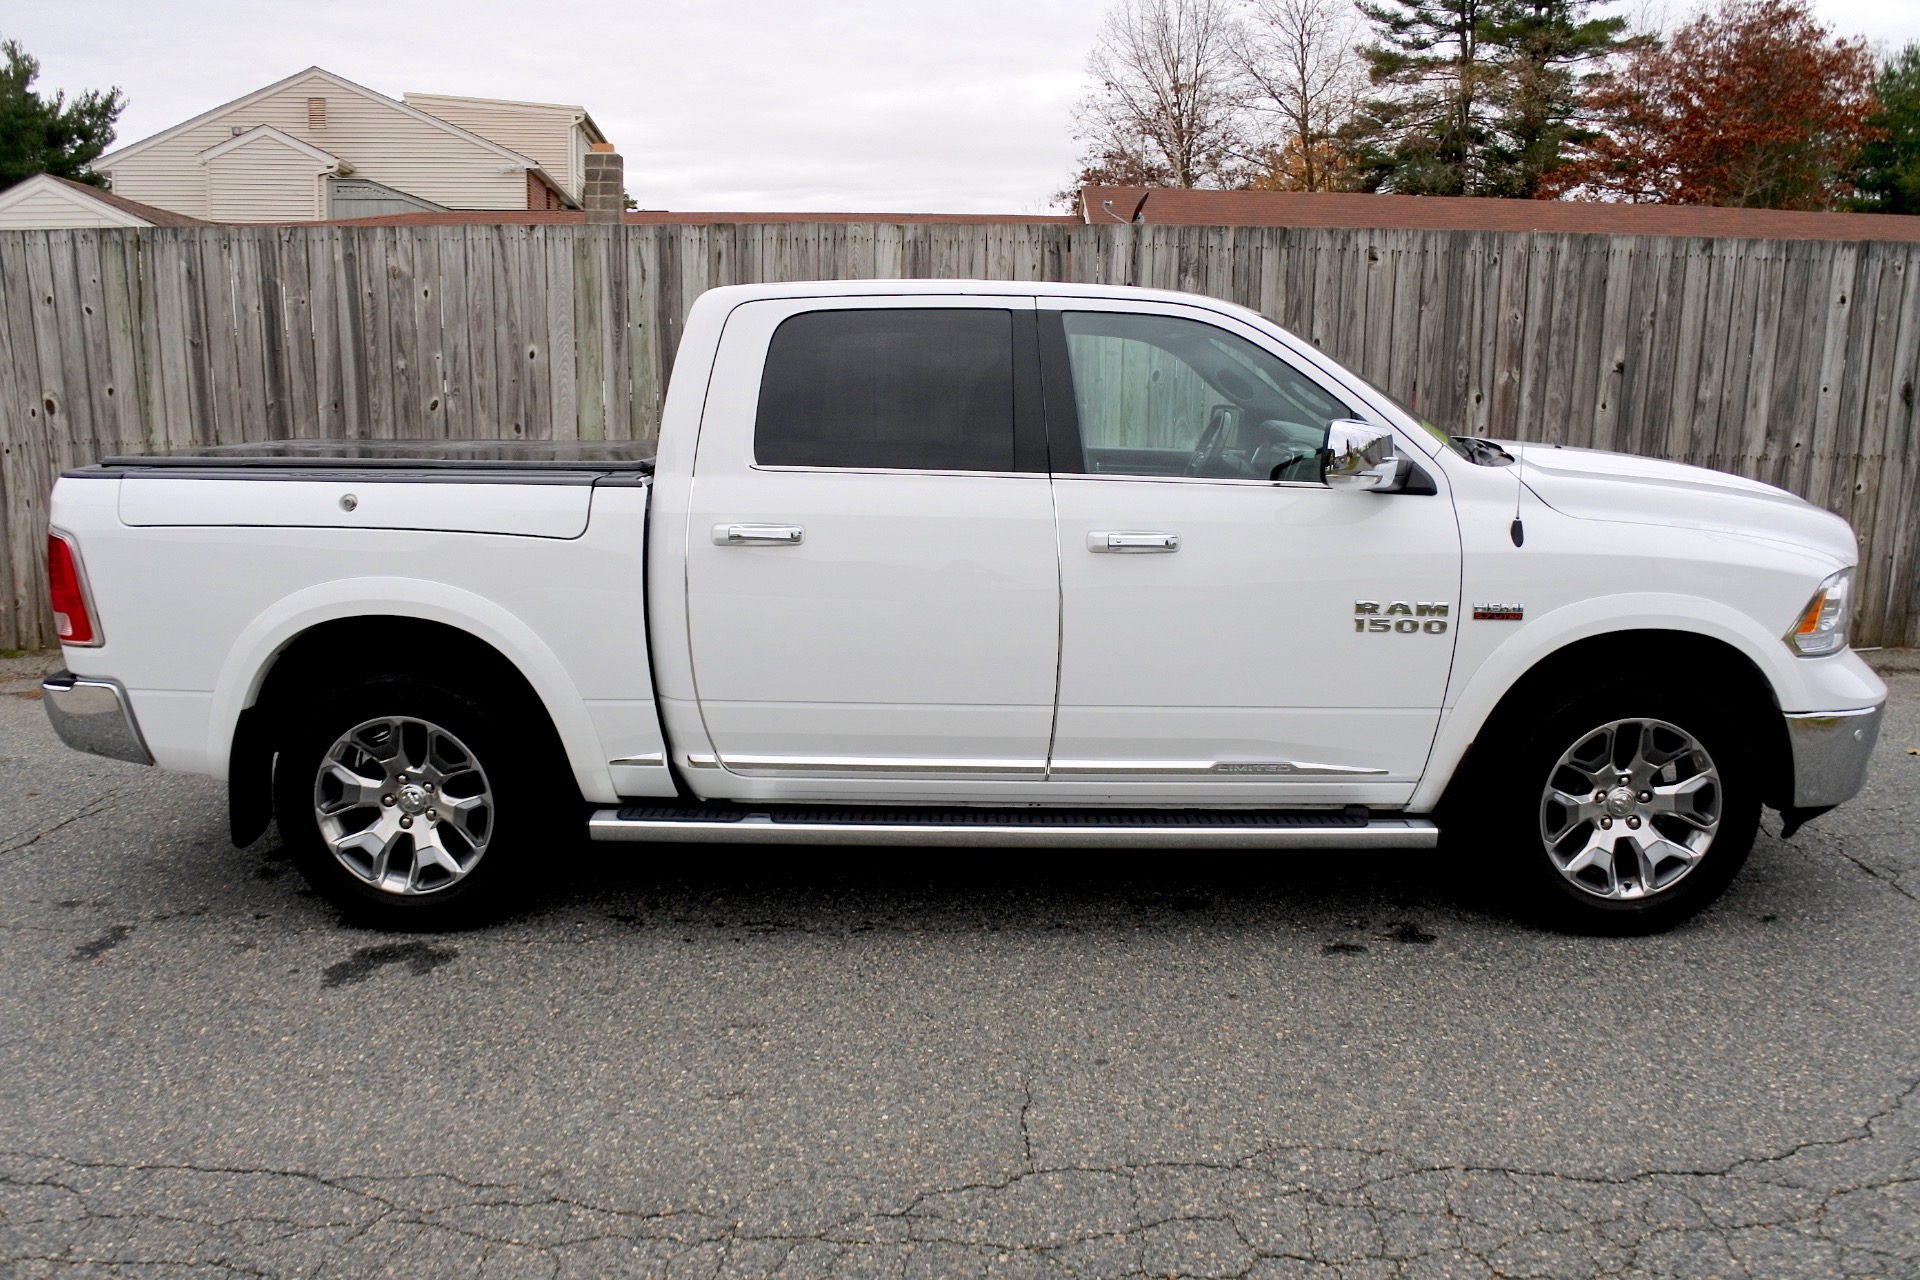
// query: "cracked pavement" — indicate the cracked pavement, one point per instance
point(707, 1063)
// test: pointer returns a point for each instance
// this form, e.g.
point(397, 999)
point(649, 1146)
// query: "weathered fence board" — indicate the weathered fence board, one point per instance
point(1794, 362)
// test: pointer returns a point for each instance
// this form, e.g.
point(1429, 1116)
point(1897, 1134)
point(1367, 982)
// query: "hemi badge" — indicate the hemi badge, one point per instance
point(1498, 613)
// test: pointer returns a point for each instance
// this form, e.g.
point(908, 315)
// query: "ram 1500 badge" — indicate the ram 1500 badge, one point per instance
point(1401, 617)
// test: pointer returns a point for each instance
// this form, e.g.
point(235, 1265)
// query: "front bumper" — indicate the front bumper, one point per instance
point(91, 714)
point(1830, 754)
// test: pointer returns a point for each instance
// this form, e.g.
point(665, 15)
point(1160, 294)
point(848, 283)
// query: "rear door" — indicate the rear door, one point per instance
point(872, 585)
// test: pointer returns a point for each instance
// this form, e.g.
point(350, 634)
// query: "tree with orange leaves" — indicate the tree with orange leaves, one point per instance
point(1753, 104)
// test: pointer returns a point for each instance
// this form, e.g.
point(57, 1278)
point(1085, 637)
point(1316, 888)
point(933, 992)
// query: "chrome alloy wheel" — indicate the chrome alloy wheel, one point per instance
point(1630, 809)
point(403, 805)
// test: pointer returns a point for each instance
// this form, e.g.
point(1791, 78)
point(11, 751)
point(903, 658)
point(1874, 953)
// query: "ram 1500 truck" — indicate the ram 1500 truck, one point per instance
point(968, 563)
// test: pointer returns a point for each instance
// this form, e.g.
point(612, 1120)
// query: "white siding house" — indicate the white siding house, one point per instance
point(44, 202)
point(263, 175)
point(266, 157)
point(557, 136)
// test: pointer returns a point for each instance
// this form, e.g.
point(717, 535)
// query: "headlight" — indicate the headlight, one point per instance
point(1822, 628)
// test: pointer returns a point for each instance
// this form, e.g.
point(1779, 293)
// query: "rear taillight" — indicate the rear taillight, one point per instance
point(72, 614)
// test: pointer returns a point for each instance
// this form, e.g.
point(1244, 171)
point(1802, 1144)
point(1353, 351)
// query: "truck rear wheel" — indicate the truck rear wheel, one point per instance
point(405, 804)
point(1630, 811)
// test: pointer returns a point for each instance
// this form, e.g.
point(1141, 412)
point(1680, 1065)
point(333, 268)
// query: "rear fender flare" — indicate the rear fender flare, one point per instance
point(261, 642)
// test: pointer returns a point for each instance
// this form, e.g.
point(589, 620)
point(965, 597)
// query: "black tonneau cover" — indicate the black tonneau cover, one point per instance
point(592, 456)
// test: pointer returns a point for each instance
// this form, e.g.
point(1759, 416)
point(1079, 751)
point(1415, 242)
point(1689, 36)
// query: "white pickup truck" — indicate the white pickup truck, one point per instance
point(973, 563)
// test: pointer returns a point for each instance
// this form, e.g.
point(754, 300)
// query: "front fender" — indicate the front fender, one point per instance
point(1842, 682)
point(252, 654)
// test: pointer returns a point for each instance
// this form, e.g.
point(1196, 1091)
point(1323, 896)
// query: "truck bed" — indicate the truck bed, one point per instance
point(534, 549)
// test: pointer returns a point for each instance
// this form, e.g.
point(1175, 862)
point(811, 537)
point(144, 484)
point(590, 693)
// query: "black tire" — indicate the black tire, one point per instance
point(514, 762)
point(1507, 796)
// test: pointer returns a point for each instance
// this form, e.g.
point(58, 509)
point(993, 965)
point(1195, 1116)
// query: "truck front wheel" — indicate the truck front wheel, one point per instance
point(403, 803)
point(1635, 810)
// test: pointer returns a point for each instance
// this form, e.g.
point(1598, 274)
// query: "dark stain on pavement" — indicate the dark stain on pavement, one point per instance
point(420, 958)
point(106, 942)
point(1342, 948)
point(1408, 931)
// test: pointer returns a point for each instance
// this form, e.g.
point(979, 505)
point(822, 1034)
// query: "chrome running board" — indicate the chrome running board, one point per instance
point(1351, 828)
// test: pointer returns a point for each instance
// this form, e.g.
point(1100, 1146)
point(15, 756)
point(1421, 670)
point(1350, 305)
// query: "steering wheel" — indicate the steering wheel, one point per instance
point(1207, 450)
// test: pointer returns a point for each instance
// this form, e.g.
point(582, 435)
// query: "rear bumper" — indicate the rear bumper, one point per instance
point(1830, 754)
point(91, 714)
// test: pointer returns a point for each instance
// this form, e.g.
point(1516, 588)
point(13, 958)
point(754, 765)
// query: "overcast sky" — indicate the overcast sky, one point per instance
point(749, 105)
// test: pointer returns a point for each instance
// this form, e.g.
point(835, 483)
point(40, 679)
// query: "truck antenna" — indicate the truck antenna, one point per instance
point(1518, 530)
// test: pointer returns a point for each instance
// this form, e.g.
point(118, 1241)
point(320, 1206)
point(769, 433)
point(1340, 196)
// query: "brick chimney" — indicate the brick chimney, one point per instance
point(604, 197)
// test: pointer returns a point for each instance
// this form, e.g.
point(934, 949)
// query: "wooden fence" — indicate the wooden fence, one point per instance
point(1790, 361)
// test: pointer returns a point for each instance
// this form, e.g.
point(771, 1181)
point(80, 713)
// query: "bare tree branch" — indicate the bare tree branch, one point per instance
point(1297, 59)
point(1168, 106)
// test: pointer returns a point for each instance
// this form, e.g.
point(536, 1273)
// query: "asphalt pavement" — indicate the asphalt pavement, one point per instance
point(930, 1063)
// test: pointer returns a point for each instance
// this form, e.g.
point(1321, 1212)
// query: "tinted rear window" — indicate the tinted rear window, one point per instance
point(921, 388)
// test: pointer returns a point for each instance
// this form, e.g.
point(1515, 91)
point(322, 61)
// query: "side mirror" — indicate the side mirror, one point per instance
point(1359, 457)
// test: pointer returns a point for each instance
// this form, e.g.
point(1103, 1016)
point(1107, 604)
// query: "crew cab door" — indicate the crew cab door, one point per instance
point(871, 580)
point(1232, 629)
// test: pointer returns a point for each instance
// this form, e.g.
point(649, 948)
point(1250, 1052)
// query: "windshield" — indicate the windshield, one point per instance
point(1483, 453)
point(1415, 414)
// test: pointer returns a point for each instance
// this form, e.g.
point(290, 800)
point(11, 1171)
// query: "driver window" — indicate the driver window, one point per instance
point(1162, 396)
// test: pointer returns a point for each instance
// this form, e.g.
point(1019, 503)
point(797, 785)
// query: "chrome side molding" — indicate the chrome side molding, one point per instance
point(1031, 768)
point(866, 764)
point(1209, 768)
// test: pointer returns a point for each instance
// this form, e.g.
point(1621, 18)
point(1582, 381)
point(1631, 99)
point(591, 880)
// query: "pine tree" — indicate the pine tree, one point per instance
point(1480, 97)
point(1887, 170)
point(1430, 133)
point(38, 135)
point(1543, 44)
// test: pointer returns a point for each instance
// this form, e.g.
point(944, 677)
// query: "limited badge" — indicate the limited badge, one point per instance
point(1498, 613)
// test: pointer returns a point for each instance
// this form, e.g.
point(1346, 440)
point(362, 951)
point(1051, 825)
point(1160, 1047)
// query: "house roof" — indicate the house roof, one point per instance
point(135, 211)
point(267, 133)
point(105, 163)
point(1171, 207)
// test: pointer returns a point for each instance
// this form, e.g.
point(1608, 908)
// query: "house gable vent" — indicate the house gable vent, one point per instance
point(316, 113)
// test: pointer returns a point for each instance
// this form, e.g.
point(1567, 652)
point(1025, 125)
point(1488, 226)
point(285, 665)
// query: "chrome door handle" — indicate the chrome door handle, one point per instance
point(1133, 542)
point(758, 535)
